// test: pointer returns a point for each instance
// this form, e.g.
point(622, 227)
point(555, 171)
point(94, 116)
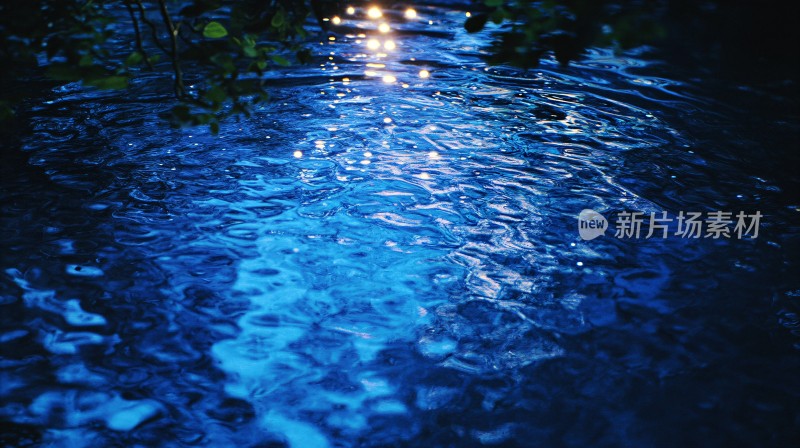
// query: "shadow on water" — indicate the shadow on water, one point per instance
point(386, 254)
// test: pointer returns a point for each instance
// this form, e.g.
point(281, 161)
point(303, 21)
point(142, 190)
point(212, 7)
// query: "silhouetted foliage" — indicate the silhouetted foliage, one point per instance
point(229, 45)
point(530, 29)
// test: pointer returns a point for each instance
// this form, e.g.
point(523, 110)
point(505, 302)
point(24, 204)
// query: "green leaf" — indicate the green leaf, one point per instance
point(214, 30)
point(63, 72)
point(216, 94)
point(225, 61)
point(109, 82)
point(134, 59)
point(498, 16)
point(6, 112)
point(250, 52)
point(280, 60)
point(278, 19)
point(181, 113)
point(85, 60)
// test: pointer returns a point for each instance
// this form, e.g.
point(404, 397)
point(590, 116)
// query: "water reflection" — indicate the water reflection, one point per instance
point(374, 12)
point(369, 264)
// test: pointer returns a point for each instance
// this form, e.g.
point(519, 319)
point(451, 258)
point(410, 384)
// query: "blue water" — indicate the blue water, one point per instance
point(376, 258)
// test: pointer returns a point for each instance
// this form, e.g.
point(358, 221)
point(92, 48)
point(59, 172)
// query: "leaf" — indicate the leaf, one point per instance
point(63, 72)
point(134, 59)
point(216, 94)
point(181, 113)
point(214, 30)
point(109, 82)
point(476, 23)
point(225, 61)
point(498, 16)
point(6, 112)
point(250, 52)
point(280, 60)
point(199, 7)
point(278, 19)
point(86, 60)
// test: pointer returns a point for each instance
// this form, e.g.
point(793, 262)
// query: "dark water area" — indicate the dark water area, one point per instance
point(378, 257)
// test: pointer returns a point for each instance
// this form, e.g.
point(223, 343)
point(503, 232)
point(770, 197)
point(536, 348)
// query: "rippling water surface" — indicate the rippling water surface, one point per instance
point(384, 258)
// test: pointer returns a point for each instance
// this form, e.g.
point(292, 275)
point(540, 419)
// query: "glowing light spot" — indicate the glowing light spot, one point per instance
point(384, 28)
point(336, 20)
point(389, 45)
point(371, 73)
point(387, 120)
point(389, 79)
point(331, 38)
point(367, 154)
point(375, 65)
point(430, 22)
point(433, 155)
point(351, 10)
point(373, 44)
point(411, 13)
point(298, 154)
point(405, 86)
point(469, 14)
point(374, 13)
point(580, 263)
point(424, 74)
point(425, 176)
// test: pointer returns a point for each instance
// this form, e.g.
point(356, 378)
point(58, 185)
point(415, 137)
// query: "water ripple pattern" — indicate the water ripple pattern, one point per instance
point(386, 254)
